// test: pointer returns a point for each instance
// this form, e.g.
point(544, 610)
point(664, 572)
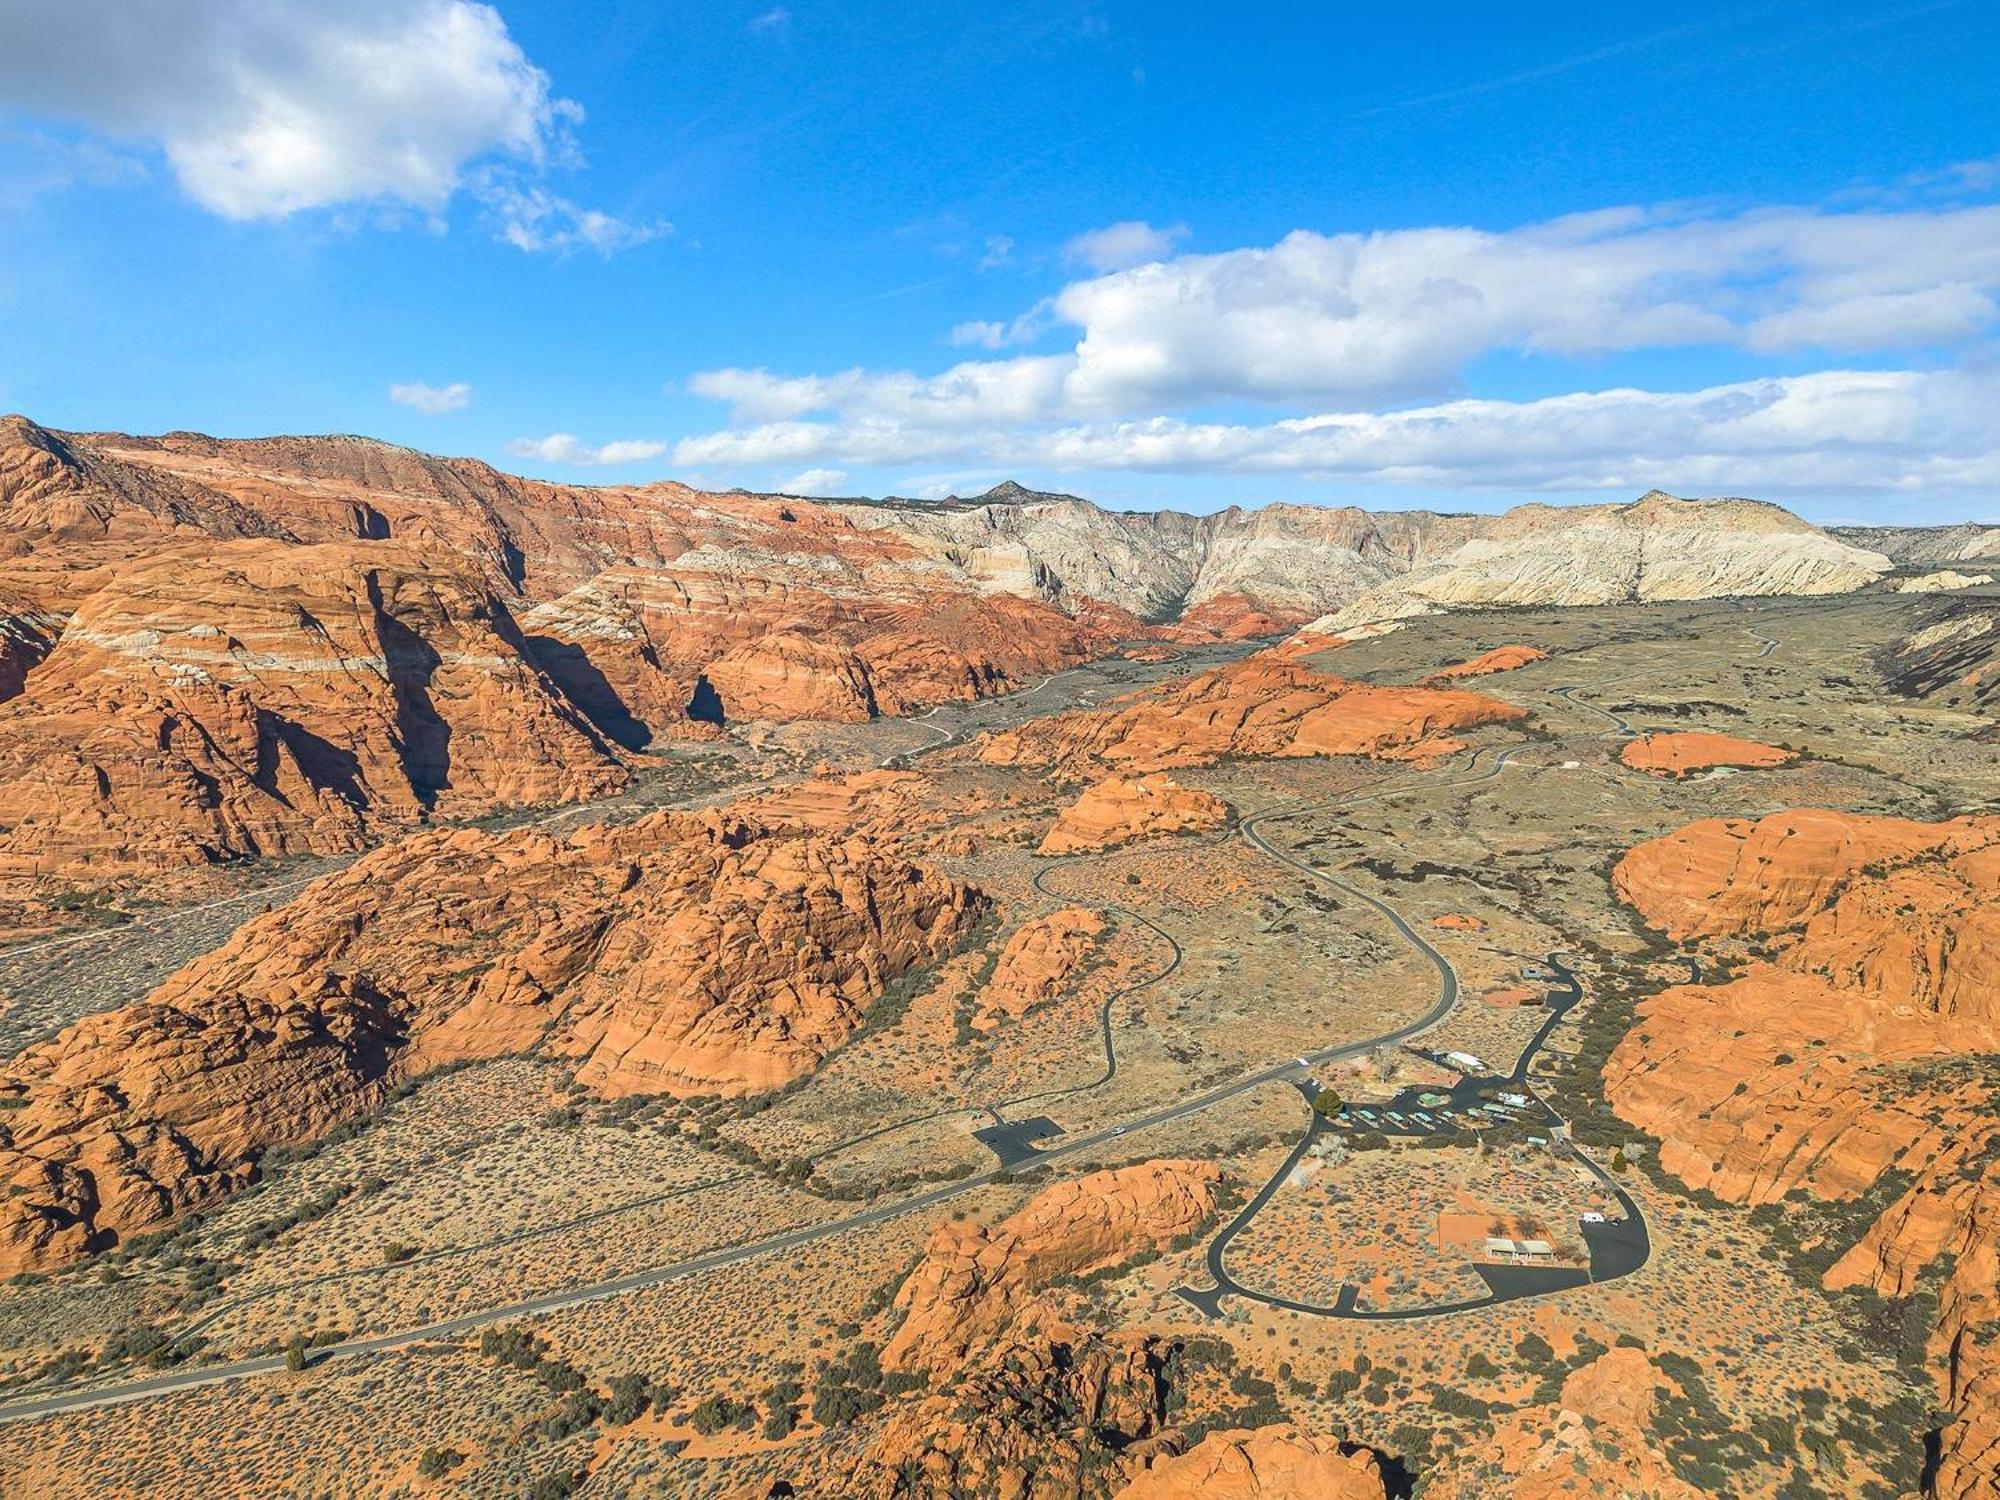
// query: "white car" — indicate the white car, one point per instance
point(1593, 1218)
point(1117, 1129)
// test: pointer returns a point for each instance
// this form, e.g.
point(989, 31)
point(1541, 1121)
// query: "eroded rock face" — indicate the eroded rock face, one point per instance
point(1263, 705)
point(1057, 1414)
point(1119, 809)
point(681, 954)
point(254, 698)
point(975, 1277)
point(1683, 754)
point(1038, 963)
point(1499, 659)
point(1842, 1056)
point(1596, 1442)
point(1656, 548)
point(1269, 1463)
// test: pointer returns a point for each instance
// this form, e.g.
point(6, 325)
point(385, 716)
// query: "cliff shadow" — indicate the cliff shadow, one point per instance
point(570, 668)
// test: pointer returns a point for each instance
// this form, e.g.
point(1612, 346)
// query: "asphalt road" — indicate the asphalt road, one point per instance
point(195, 1378)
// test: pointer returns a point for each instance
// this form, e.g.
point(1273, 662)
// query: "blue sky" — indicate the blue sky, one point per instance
point(1447, 255)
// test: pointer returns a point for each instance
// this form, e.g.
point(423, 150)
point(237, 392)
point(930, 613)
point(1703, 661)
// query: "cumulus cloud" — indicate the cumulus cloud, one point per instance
point(1130, 242)
point(266, 108)
point(1361, 342)
point(564, 448)
point(432, 400)
point(1834, 430)
point(814, 482)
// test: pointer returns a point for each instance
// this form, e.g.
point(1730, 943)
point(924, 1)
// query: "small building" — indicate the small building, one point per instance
point(1502, 1249)
point(1537, 1249)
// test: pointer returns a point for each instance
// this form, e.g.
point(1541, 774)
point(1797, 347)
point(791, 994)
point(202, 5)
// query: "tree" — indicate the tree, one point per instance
point(1327, 1102)
point(1618, 1161)
point(295, 1354)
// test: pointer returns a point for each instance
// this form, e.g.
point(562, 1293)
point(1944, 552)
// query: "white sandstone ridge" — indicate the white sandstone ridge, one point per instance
point(1965, 541)
point(1944, 582)
point(1656, 548)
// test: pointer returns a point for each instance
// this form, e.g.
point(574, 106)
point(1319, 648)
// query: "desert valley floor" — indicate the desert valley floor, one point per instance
point(843, 1285)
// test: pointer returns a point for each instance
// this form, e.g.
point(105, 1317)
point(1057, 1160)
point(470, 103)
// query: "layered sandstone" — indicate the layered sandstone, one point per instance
point(1038, 963)
point(1264, 705)
point(1268, 1463)
point(682, 954)
point(1685, 753)
point(975, 1277)
point(1499, 659)
point(1658, 547)
point(1119, 809)
point(1836, 1056)
point(252, 698)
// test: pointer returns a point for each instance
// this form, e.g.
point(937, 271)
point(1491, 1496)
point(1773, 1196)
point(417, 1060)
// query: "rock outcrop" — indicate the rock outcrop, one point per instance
point(1945, 581)
point(975, 1277)
point(254, 698)
point(1265, 704)
point(1268, 1463)
point(1684, 753)
point(1597, 1441)
point(1119, 809)
point(682, 954)
point(1837, 1054)
point(1656, 548)
point(1499, 659)
point(1038, 963)
point(1951, 659)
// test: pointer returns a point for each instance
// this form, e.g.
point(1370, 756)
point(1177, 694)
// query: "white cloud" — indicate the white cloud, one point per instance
point(999, 251)
point(432, 400)
point(563, 448)
point(532, 218)
point(266, 108)
point(1128, 243)
point(777, 21)
point(1841, 430)
point(814, 482)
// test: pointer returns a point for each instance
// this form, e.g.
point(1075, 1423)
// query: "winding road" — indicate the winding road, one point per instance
point(1289, 1070)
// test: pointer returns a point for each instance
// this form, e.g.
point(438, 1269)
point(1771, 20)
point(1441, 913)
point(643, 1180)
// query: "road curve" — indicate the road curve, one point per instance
point(170, 1382)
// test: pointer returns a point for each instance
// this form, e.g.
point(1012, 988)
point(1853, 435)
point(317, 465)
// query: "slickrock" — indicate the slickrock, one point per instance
point(1269, 1463)
point(1038, 963)
point(1947, 581)
point(1262, 705)
point(1658, 547)
point(1834, 1061)
point(1952, 659)
point(1120, 809)
point(975, 1277)
point(1499, 659)
point(1683, 754)
point(683, 954)
point(1455, 921)
point(1596, 1442)
point(251, 698)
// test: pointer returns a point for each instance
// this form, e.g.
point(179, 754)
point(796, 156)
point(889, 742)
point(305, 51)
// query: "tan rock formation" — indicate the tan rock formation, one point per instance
point(1499, 659)
point(975, 1277)
point(1262, 705)
point(682, 954)
point(1269, 1463)
point(1119, 809)
point(1038, 963)
point(1683, 754)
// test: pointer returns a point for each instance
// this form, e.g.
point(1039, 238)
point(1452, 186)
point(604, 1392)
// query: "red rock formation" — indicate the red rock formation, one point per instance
point(1499, 659)
point(1596, 1442)
point(1262, 705)
point(1684, 754)
point(1270, 1463)
point(1038, 963)
point(975, 1277)
point(1060, 1414)
point(1120, 809)
point(251, 698)
point(1453, 921)
point(1830, 1063)
point(684, 954)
